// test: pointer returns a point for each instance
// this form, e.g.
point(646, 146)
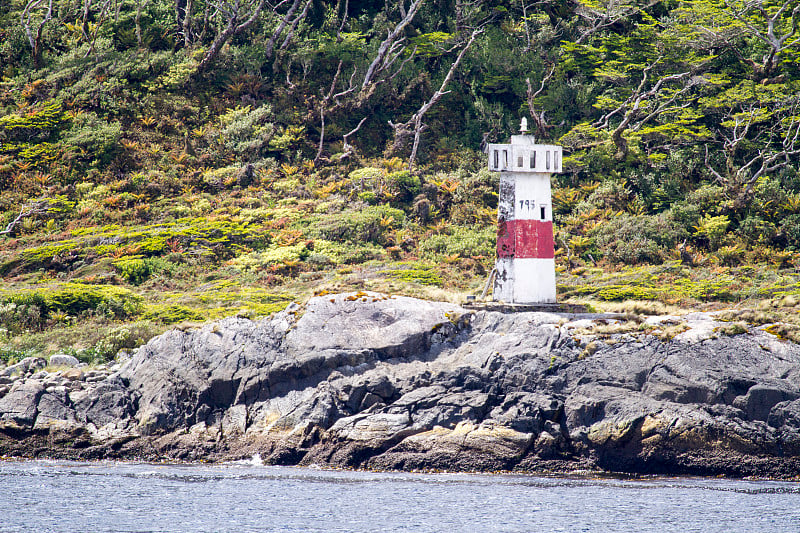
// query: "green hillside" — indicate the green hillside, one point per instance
point(172, 162)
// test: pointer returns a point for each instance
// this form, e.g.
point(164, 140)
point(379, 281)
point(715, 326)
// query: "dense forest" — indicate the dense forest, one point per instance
point(168, 161)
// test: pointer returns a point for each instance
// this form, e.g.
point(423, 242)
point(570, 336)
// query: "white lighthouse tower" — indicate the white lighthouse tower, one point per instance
point(525, 268)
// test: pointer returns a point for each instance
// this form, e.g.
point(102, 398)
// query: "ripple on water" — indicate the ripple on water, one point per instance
point(247, 496)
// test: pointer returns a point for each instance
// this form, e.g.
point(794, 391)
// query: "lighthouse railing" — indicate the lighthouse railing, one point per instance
point(525, 158)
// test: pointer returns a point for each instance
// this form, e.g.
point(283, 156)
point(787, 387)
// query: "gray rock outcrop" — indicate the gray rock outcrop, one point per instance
point(370, 381)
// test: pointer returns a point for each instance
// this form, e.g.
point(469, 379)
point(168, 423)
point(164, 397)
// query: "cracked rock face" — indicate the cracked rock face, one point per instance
point(366, 380)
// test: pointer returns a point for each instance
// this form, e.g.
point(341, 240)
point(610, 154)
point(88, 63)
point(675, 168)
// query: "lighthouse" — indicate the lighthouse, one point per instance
point(525, 268)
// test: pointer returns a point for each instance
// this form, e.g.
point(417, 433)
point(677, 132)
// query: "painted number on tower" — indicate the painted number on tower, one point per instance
point(530, 205)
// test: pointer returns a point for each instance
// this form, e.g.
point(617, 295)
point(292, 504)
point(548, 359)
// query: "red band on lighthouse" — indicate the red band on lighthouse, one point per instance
point(525, 239)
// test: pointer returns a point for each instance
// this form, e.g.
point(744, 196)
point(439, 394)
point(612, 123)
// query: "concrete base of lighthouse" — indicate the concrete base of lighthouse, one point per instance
point(525, 281)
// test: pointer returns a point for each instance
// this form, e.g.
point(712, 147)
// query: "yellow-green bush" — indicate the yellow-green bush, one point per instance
point(462, 241)
point(30, 308)
point(171, 314)
point(360, 225)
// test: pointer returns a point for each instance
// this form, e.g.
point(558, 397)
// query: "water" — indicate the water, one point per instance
point(105, 496)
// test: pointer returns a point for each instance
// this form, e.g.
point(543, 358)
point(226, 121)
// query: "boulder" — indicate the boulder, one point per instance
point(62, 359)
point(28, 365)
point(19, 405)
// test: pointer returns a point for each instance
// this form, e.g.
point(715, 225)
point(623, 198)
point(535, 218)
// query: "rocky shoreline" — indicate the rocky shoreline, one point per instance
point(364, 380)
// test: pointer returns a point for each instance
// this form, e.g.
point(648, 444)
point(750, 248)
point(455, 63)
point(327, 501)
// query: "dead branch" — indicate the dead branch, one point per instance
point(281, 26)
point(90, 33)
point(36, 207)
point(414, 124)
point(35, 38)
point(325, 100)
point(344, 21)
point(391, 44)
point(234, 13)
point(776, 42)
point(140, 4)
point(538, 118)
point(741, 178)
point(614, 12)
point(187, 23)
point(347, 148)
point(295, 23)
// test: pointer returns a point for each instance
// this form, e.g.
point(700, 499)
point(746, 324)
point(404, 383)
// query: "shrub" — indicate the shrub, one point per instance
point(366, 175)
point(246, 131)
point(730, 255)
point(13, 355)
point(464, 242)
point(171, 314)
point(33, 307)
point(360, 225)
point(368, 197)
point(19, 317)
point(709, 199)
point(30, 133)
point(685, 214)
point(343, 253)
point(93, 136)
point(127, 337)
point(790, 231)
point(405, 184)
point(611, 193)
point(712, 229)
point(423, 276)
point(635, 239)
point(756, 230)
point(275, 255)
point(137, 270)
point(177, 76)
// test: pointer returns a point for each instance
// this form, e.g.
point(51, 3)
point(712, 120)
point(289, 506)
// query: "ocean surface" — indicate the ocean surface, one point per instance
point(109, 496)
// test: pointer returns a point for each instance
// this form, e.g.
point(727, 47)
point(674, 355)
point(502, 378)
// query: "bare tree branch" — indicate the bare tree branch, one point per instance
point(295, 23)
point(281, 26)
point(347, 148)
point(778, 147)
point(614, 11)
point(325, 100)
point(631, 109)
point(140, 5)
point(344, 21)
point(91, 31)
point(414, 124)
point(35, 38)
point(390, 44)
point(36, 207)
point(538, 117)
point(235, 12)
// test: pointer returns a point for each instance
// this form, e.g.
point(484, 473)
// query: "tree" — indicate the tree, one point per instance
point(34, 30)
point(238, 16)
point(652, 78)
point(759, 136)
point(414, 126)
point(392, 47)
point(760, 34)
point(32, 208)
